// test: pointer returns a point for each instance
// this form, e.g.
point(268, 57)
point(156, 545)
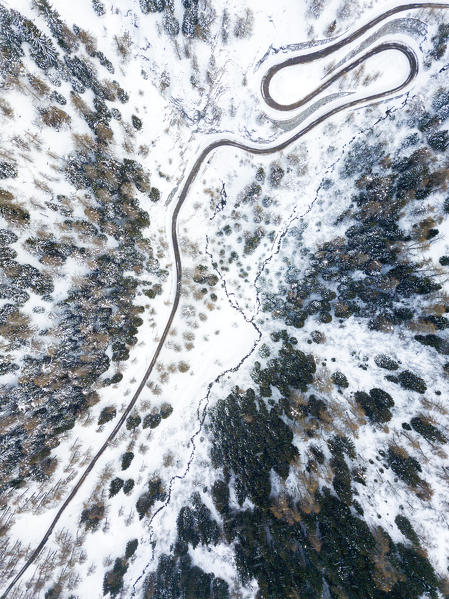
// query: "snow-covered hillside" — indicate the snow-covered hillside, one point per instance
point(291, 439)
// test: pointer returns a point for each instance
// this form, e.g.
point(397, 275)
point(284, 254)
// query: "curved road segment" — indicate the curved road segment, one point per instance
point(256, 150)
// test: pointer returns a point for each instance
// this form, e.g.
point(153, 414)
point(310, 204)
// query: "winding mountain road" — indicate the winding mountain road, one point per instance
point(303, 58)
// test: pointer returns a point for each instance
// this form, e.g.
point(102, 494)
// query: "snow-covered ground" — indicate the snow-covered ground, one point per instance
point(211, 90)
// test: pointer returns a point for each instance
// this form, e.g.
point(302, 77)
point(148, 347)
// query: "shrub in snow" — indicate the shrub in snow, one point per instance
point(412, 382)
point(152, 420)
point(7, 170)
point(113, 580)
point(131, 547)
point(54, 117)
point(375, 405)
point(154, 194)
point(98, 7)
point(115, 486)
point(107, 414)
point(171, 25)
point(424, 427)
point(166, 410)
point(406, 467)
point(128, 486)
point(127, 458)
point(147, 6)
point(383, 361)
point(155, 493)
point(11, 211)
point(406, 528)
point(137, 123)
point(342, 478)
point(339, 379)
point(220, 496)
point(190, 21)
point(440, 41)
point(91, 517)
point(276, 175)
point(133, 421)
